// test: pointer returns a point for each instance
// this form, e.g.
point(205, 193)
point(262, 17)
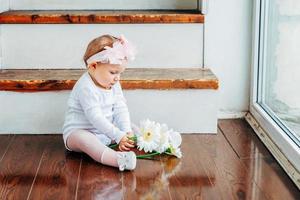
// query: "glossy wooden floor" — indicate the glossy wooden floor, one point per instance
point(233, 164)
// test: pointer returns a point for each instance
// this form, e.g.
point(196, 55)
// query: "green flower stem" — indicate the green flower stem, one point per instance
point(133, 138)
point(149, 155)
point(112, 146)
point(168, 153)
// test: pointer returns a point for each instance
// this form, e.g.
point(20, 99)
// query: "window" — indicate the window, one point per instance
point(275, 99)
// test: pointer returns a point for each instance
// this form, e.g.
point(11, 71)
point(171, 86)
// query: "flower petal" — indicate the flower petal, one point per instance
point(175, 139)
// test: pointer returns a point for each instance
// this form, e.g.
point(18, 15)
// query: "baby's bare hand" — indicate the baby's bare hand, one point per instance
point(125, 144)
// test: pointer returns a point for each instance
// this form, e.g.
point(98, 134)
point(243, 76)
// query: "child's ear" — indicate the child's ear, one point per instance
point(93, 65)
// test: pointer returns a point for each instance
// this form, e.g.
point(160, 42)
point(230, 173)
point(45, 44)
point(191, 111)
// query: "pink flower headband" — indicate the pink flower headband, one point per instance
point(122, 50)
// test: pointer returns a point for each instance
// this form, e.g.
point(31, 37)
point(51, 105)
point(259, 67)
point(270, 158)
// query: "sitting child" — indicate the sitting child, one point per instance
point(97, 113)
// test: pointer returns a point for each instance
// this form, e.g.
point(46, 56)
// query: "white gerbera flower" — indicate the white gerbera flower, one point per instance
point(148, 138)
point(164, 139)
point(175, 151)
point(175, 139)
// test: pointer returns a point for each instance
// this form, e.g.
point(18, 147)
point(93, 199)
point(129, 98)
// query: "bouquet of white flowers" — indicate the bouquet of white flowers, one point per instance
point(154, 139)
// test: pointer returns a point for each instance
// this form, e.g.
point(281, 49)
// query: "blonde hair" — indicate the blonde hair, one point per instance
point(97, 45)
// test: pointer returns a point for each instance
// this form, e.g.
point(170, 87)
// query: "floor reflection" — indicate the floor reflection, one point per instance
point(151, 179)
point(97, 181)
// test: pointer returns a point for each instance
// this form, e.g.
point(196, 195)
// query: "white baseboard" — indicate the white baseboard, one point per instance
point(231, 114)
point(290, 169)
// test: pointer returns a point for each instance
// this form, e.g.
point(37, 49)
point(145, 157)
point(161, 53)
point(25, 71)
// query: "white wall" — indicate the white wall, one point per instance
point(228, 39)
point(4, 5)
point(102, 4)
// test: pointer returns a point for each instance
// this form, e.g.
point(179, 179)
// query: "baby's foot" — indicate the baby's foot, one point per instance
point(126, 160)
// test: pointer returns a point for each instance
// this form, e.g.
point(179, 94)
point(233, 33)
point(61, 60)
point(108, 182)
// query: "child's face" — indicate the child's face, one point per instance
point(106, 75)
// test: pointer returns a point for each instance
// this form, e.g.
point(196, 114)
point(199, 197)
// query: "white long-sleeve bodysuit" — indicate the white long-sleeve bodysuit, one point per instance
point(99, 111)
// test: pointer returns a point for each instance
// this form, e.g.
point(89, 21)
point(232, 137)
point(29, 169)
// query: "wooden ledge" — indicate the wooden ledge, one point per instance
point(35, 80)
point(100, 17)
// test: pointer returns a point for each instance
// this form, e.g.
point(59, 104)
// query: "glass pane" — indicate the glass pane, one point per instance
point(281, 72)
